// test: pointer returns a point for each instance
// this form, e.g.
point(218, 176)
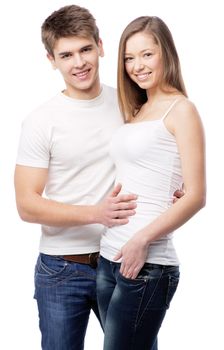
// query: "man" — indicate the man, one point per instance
point(63, 175)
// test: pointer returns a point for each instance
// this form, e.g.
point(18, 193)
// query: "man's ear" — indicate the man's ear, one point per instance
point(52, 61)
point(100, 46)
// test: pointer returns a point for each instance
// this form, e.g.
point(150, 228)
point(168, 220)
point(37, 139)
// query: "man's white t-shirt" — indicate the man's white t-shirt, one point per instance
point(71, 138)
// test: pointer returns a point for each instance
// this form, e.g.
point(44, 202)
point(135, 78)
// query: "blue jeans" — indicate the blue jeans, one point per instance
point(65, 293)
point(132, 311)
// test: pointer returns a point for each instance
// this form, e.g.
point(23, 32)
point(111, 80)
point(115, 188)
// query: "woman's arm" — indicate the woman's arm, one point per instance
point(185, 124)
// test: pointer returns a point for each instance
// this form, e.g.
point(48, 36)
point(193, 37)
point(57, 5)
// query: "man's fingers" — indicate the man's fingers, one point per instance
point(125, 198)
point(117, 222)
point(125, 206)
point(120, 214)
point(119, 207)
point(116, 190)
point(178, 193)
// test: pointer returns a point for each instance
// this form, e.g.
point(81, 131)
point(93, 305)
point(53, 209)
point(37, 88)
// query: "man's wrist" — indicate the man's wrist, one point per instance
point(93, 214)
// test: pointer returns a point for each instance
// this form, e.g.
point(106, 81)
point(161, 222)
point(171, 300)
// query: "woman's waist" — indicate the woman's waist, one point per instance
point(149, 208)
point(136, 222)
point(150, 195)
point(161, 251)
point(146, 186)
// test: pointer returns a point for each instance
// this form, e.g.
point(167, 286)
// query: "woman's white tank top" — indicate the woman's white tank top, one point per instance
point(147, 164)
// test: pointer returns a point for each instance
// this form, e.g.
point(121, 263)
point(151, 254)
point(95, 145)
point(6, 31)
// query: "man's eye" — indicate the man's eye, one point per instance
point(86, 49)
point(66, 55)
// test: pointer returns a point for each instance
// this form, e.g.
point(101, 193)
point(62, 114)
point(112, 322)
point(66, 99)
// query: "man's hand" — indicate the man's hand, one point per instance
point(116, 208)
point(178, 194)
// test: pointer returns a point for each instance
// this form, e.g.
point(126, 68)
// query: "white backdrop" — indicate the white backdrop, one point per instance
point(194, 320)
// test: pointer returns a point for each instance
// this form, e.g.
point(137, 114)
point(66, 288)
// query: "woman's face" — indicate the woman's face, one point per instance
point(143, 61)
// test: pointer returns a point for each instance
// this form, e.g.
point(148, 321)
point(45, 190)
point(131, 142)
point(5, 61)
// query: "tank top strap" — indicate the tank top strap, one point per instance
point(169, 109)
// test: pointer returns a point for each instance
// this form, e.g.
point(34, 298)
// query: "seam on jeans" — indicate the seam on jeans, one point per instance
point(64, 279)
point(139, 308)
point(143, 311)
point(49, 271)
point(136, 322)
point(172, 287)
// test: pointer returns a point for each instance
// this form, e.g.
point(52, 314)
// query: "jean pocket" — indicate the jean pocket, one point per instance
point(50, 271)
point(172, 287)
point(139, 280)
point(50, 266)
point(145, 274)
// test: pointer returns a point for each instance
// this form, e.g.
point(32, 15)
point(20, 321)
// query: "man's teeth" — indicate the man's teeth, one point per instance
point(81, 74)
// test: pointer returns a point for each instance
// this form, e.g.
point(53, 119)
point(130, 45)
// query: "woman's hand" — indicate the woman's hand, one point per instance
point(133, 254)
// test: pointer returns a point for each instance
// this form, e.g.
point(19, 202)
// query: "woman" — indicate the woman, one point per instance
point(160, 146)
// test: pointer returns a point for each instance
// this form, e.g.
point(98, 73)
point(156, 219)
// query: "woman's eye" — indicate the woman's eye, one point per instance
point(127, 59)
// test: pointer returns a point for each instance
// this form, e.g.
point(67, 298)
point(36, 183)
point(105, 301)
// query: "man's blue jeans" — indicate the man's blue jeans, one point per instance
point(132, 311)
point(65, 294)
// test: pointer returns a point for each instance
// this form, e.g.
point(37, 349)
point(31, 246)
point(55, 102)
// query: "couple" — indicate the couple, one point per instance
point(67, 151)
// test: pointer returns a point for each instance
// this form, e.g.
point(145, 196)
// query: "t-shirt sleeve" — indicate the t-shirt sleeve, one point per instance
point(34, 148)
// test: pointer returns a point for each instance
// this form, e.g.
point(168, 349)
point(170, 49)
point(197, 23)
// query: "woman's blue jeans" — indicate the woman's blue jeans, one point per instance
point(132, 311)
point(65, 293)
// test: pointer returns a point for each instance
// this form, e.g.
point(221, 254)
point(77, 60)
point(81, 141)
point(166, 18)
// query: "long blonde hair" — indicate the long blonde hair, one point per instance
point(130, 96)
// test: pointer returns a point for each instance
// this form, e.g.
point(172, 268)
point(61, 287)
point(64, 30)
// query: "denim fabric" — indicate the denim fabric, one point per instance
point(132, 311)
point(65, 294)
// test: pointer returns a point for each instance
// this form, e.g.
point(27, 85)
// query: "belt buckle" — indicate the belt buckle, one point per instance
point(93, 260)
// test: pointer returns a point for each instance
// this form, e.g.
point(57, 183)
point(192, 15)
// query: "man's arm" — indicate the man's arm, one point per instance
point(33, 207)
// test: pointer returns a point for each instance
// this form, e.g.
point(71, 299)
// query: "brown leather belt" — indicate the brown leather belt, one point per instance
point(89, 259)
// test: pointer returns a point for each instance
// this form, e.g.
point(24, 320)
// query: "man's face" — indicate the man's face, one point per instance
point(77, 58)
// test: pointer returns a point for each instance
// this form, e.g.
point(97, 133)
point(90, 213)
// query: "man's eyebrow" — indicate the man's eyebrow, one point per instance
point(81, 48)
point(89, 46)
point(63, 53)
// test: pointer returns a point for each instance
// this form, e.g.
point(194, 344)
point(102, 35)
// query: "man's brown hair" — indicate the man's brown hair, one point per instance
point(66, 22)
